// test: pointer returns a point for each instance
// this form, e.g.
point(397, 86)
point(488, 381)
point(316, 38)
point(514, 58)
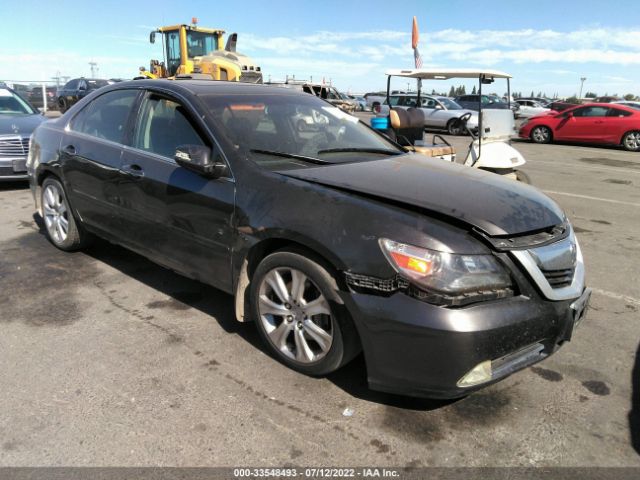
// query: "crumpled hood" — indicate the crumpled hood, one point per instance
point(496, 205)
point(23, 125)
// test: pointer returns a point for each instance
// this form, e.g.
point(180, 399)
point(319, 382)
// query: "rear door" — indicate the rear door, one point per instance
point(434, 117)
point(90, 155)
point(173, 215)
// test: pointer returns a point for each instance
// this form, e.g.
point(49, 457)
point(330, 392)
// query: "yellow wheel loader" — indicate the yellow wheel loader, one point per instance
point(196, 52)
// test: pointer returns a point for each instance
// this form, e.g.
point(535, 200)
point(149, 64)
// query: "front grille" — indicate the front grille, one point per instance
point(6, 171)
point(559, 278)
point(14, 147)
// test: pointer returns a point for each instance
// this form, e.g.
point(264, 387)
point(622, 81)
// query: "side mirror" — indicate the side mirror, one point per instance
point(197, 158)
point(152, 37)
point(82, 88)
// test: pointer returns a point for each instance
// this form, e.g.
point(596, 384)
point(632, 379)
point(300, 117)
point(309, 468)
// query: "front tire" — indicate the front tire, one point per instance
point(454, 127)
point(296, 307)
point(631, 141)
point(60, 224)
point(62, 105)
point(523, 177)
point(541, 134)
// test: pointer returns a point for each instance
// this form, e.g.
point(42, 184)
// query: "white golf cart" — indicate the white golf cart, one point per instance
point(490, 148)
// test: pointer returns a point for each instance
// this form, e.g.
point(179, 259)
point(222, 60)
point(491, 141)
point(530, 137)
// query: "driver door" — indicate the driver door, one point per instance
point(587, 124)
point(176, 216)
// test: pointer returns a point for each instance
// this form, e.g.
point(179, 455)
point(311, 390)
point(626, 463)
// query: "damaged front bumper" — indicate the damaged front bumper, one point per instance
point(418, 349)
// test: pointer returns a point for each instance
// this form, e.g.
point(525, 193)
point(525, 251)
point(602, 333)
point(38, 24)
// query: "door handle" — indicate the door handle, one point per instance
point(69, 149)
point(132, 170)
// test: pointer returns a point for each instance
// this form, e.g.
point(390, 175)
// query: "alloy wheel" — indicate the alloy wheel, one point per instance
point(632, 141)
point(56, 213)
point(295, 315)
point(540, 135)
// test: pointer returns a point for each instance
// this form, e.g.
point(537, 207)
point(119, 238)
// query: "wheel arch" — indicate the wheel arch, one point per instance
point(267, 246)
point(626, 133)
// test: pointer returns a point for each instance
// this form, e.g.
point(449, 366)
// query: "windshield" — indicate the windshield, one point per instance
point(449, 104)
point(95, 84)
point(270, 127)
point(12, 104)
point(200, 43)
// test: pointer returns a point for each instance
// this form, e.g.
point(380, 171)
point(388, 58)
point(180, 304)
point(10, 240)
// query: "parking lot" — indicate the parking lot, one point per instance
point(109, 359)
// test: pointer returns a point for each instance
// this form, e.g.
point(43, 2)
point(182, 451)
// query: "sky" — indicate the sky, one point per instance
point(546, 45)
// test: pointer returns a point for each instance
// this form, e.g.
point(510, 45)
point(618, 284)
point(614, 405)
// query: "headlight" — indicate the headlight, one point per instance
point(446, 273)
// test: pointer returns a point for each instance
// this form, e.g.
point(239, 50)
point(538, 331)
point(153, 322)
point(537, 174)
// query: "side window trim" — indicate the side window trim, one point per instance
point(192, 116)
point(127, 125)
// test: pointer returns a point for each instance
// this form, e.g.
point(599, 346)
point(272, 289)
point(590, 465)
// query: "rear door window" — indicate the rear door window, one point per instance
point(162, 126)
point(616, 112)
point(591, 112)
point(106, 116)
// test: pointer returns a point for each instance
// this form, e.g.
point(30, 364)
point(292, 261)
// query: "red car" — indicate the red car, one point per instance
point(604, 123)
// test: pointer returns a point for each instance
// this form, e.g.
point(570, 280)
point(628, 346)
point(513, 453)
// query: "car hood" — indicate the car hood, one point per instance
point(496, 205)
point(19, 124)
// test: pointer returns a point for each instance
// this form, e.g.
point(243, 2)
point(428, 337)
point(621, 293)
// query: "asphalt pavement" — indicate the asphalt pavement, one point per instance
point(109, 359)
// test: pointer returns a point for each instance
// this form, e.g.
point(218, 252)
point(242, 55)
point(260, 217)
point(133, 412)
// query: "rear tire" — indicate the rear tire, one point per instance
point(296, 308)
point(631, 141)
point(541, 134)
point(61, 226)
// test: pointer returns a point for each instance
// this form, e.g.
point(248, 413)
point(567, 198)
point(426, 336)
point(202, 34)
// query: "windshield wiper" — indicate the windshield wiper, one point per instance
point(363, 150)
point(304, 158)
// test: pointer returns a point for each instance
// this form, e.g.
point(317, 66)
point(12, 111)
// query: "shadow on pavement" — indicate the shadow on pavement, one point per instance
point(14, 185)
point(634, 414)
point(186, 293)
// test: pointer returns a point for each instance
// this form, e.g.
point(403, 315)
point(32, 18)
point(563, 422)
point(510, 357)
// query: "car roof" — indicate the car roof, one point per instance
point(208, 87)
point(445, 74)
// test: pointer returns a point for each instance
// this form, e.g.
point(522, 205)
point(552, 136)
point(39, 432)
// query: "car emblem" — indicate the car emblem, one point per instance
point(15, 128)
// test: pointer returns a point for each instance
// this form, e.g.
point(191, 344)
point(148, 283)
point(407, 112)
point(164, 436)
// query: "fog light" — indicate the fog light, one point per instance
point(479, 374)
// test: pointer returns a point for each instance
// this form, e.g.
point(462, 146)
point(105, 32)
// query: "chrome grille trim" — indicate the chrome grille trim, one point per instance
point(14, 146)
point(569, 290)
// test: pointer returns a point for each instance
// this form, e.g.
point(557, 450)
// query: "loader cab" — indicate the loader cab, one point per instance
point(183, 43)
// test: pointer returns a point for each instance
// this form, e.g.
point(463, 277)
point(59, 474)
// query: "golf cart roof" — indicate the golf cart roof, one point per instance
point(445, 74)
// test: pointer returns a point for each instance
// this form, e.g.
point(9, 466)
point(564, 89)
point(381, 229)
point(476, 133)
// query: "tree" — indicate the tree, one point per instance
point(452, 92)
point(629, 97)
point(532, 94)
point(473, 92)
point(590, 95)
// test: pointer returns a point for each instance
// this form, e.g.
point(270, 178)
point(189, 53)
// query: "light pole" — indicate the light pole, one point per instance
point(582, 79)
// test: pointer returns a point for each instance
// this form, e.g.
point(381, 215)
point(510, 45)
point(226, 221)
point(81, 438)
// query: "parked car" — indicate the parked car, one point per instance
point(530, 108)
point(326, 92)
point(607, 99)
point(559, 106)
point(441, 112)
point(35, 97)
point(333, 241)
point(360, 101)
point(375, 99)
point(603, 123)
point(628, 103)
point(541, 100)
point(470, 102)
point(76, 89)
point(18, 119)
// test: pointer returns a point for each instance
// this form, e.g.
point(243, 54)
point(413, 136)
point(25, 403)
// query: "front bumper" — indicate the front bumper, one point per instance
point(12, 169)
point(418, 349)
